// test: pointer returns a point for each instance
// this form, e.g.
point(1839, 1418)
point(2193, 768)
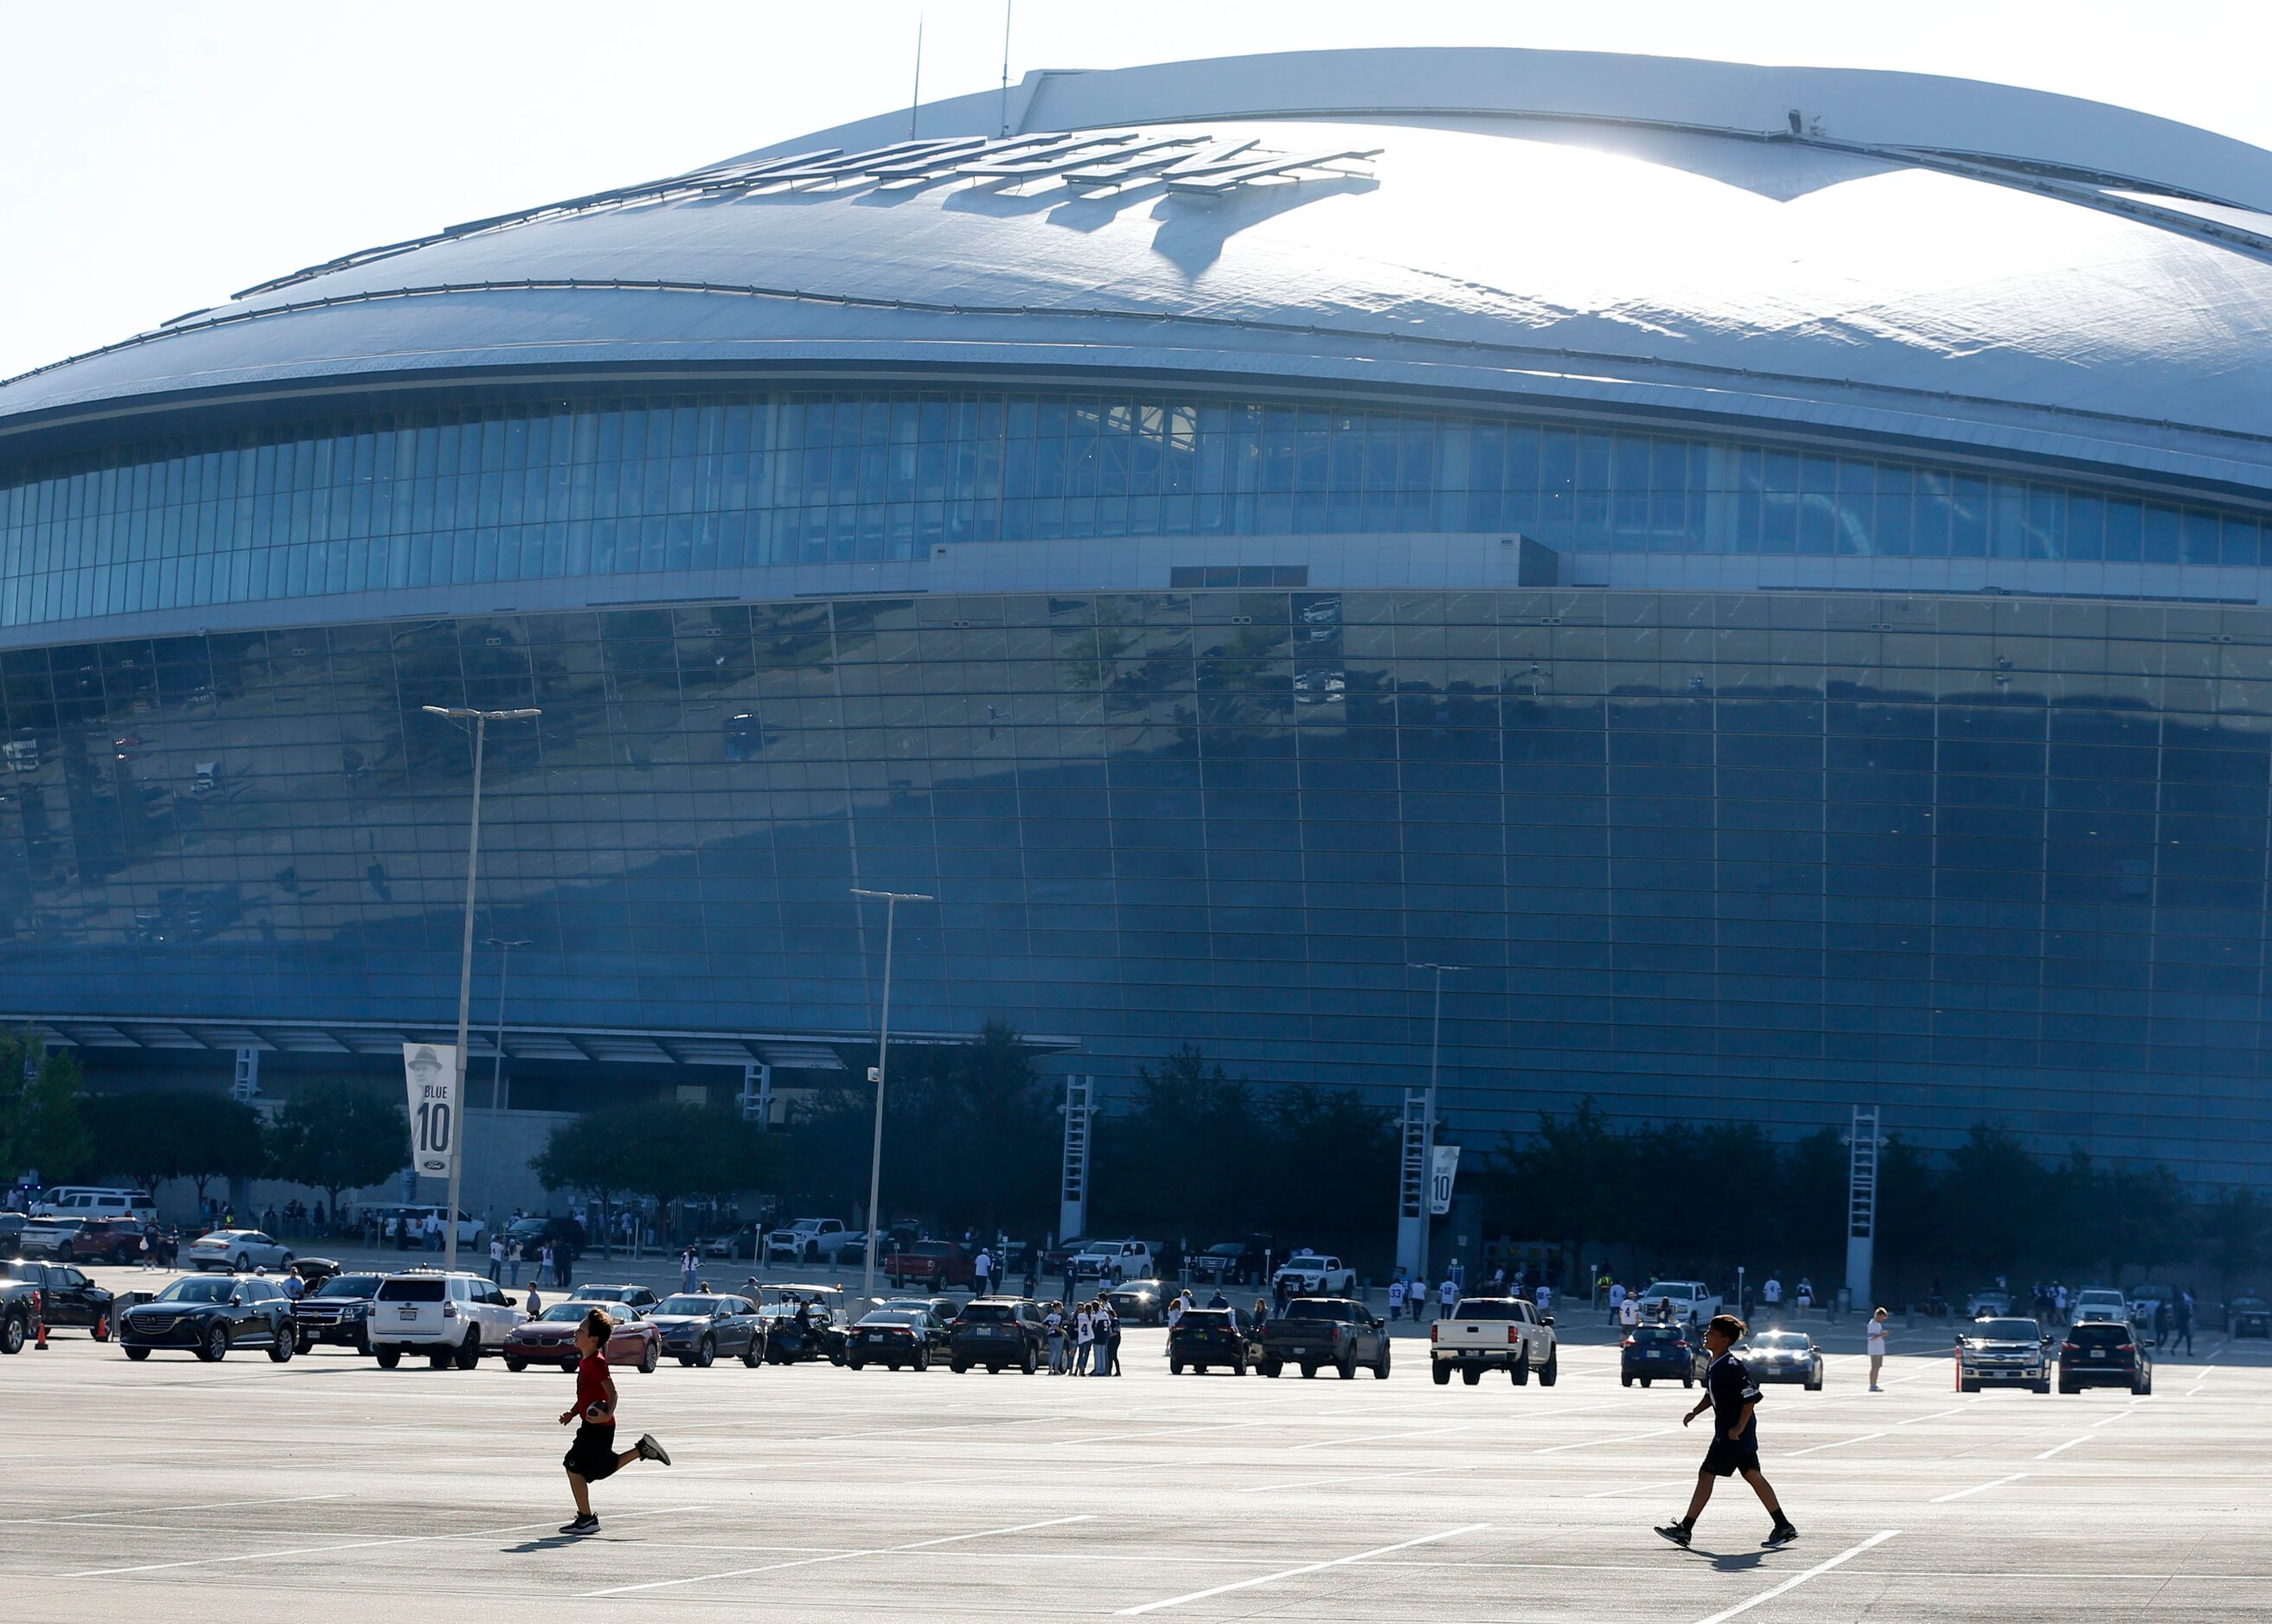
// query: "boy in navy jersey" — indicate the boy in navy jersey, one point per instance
point(1732, 1397)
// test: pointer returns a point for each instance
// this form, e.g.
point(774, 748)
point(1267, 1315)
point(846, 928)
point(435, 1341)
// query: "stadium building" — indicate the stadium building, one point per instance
point(1767, 567)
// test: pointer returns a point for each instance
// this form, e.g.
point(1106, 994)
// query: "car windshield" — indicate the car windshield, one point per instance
point(990, 1313)
point(1663, 1290)
point(688, 1305)
point(2099, 1333)
point(604, 1293)
point(2249, 1305)
point(1484, 1308)
point(348, 1286)
point(1203, 1319)
point(196, 1290)
point(410, 1291)
point(2005, 1330)
point(1305, 1260)
point(1657, 1333)
point(563, 1312)
point(1310, 1309)
point(2100, 1294)
point(892, 1316)
point(1780, 1341)
point(1229, 1248)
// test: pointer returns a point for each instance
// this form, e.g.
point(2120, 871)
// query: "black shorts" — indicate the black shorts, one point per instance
point(592, 1455)
point(1730, 1456)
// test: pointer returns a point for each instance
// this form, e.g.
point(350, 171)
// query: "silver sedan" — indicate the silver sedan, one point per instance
point(238, 1251)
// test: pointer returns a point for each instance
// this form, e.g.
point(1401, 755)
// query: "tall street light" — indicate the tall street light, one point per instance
point(481, 719)
point(1428, 1142)
point(504, 967)
point(890, 901)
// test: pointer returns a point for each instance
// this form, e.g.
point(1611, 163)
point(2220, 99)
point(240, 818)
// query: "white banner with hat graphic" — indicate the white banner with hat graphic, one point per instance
point(431, 1072)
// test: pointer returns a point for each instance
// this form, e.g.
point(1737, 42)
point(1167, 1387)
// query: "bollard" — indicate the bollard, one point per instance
point(1909, 1315)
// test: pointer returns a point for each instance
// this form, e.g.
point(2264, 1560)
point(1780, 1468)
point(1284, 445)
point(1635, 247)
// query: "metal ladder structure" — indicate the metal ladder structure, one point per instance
point(1412, 1186)
point(246, 1087)
point(757, 1096)
point(1863, 1142)
point(1073, 1189)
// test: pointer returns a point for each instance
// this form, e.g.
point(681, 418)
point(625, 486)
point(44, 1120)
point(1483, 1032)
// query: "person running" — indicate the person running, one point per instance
point(1875, 1336)
point(592, 1455)
point(1732, 1397)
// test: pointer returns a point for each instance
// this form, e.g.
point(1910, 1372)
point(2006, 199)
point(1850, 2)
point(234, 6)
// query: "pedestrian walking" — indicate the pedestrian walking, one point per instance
point(497, 1260)
point(1806, 1295)
point(1176, 1307)
point(1545, 1300)
point(1396, 1297)
point(1733, 1398)
point(690, 1270)
point(544, 1265)
point(1616, 1295)
point(1628, 1311)
point(1448, 1297)
point(2183, 1331)
point(1875, 1337)
point(512, 1263)
point(1771, 1293)
point(536, 1304)
point(144, 1249)
point(592, 1455)
point(984, 1269)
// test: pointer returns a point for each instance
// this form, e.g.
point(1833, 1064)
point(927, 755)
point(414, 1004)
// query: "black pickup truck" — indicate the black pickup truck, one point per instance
point(70, 1299)
point(1318, 1331)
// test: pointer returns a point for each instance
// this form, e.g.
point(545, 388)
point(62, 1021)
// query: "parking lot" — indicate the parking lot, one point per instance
point(177, 1489)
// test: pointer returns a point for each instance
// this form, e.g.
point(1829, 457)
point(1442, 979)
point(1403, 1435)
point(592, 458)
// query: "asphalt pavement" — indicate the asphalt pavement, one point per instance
point(176, 1489)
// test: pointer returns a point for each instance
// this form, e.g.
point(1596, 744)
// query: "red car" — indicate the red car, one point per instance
point(551, 1339)
point(937, 1264)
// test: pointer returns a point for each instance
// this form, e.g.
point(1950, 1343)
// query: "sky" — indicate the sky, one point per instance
point(157, 156)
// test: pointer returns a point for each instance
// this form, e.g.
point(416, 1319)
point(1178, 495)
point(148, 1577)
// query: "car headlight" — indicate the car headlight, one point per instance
point(354, 1311)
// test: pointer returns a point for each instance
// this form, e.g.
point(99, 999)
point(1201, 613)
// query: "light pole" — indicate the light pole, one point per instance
point(481, 720)
point(505, 965)
point(890, 901)
point(1428, 1140)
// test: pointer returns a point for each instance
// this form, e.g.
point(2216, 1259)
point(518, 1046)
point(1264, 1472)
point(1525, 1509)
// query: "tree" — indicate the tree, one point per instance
point(174, 1134)
point(43, 1124)
point(1183, 1157)
point(2235, 1229)
point(339, 1133)
point(1570, 1182)
point(1324, 1144)
point(658, 1148)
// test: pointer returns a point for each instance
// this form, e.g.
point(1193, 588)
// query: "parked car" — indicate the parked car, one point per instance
point(743, 1243)
point(66, 1297)
point(1494, 1333)
point(1205, 1339)
point(471, 1231)
point(238, 1251)
point(1000, 1333)
point(1113, 1260)
point(896, 1337)
point(1781, 1356)
point(1657, 1353)
point(1317, 1332)
point(2008, 1353)
point(2102, 1354)
point(809, 1240)
point(1310, 1274)
point(698, 1328)
point(2099, 1302)
point(11, 1228)
point(80, 1240)
point(337, 1311)
point(2248, 1316)
point(2144, 1300)
point(1987, 1302)
point(1141, 1302)
point(621, 1297)
point(210, 1317)
point(551, 1339)
point(1691, 1302)
point(532, 1231)
point(803, 1322)
point(453, 1319)
point(1057, 1261)
point(947, 1308)
point(936, 1264)
point(91, 1201)
point(1232, 1263)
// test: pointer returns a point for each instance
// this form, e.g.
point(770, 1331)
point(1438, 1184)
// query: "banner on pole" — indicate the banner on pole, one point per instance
point(431, 1072)
point(1440, 1179)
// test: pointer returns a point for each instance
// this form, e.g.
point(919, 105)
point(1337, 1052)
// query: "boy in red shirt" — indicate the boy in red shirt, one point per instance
point(592, 1455)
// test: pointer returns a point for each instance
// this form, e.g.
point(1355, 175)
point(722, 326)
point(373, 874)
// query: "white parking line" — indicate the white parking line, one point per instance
point(1798, 1579)
point(1942, 1499)
point(2063, 1447)
point(359, 1545)
point(1367, 1476)
point(1587, 1443)
point(1633, 1489)
point(209, 1505)
point(1294, 1573)
point(1838, 1443)
point(1935, 1416)
point(1334, 1444)
point(833, 1556)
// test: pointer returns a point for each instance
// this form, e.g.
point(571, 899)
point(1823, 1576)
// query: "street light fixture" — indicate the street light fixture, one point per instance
point(1428, 1142)
point(890, 901)
point(481, 719)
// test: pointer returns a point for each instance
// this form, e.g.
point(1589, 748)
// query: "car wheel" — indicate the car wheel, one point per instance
point(1520, 1370)
point(1645, 1380)
point(958, 1366)
point(63, 1253)
point(1347, 1369)
point(1624, 1380)
point(441, 1359)
point(287, 1263)
point(244, 1262)
point(302, 1342)
point(101, 1327)
point(1174, 1366)
point(1238, 1367)
point(1552, 1369)
point(705, 1353)
point(137, 1354)
point(1814, 1386)
point(922, 1358)
point(214, 1348)
point(1272, 1366)
point(648, 1359)
point(854, 1364)
point(993, 1370)
point(388, 1357)
point(1032, 1364)
point(1963, 1386)
point(1442, 1374)
point(1309, 1373)
point(515, 1365)
point(282, 1345)
point(1471, 1374)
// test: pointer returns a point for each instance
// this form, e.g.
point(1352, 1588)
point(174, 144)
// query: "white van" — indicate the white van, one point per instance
point(89, 1202)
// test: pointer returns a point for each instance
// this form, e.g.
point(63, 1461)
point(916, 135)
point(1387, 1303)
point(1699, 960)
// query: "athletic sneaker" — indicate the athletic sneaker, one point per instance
point(650, 1450)
point(1782, 1533)
point(1677, 1532)
point(586, 1524)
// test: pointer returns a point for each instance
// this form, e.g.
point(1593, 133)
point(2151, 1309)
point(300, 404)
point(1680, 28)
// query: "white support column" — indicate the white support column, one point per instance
point(1412, 1186)
point(1862, 1205)
point(1072, 1189)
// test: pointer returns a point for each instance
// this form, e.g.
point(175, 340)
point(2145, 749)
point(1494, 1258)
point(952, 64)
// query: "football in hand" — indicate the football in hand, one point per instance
point(596, 1411)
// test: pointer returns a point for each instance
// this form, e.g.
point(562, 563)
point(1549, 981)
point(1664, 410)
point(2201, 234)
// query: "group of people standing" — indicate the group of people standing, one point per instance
point(1084, 1342)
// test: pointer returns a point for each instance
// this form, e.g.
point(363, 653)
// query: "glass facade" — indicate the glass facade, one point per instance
point(616, 487)
point(1712, 856)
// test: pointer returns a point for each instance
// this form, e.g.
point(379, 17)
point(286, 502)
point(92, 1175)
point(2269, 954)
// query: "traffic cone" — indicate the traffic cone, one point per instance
point(40, 1313)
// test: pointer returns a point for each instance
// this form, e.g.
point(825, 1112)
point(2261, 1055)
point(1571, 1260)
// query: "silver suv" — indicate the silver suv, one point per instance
point(450, 1318)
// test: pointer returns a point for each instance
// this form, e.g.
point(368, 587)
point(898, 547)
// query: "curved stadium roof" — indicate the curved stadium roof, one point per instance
point(1969, 269)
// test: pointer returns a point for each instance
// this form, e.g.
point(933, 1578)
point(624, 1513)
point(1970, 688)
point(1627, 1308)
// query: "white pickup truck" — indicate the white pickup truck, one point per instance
point(1684, 1302)
point(1312, 1274)
point(1113, 1260)
point(809, 1240)
point(1493, 1333)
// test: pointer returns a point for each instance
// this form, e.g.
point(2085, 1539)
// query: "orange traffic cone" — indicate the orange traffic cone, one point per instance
point(39, 1312)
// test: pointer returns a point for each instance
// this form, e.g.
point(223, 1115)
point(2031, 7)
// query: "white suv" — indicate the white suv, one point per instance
point(450, 1318)
point(1106, 1260)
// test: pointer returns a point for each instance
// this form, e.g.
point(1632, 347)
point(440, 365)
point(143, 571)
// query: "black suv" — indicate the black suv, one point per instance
point(337, 1311)
point(1654, 1350)
point(1207, 1337)
point(2104, 1353)
point(997, 1332)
